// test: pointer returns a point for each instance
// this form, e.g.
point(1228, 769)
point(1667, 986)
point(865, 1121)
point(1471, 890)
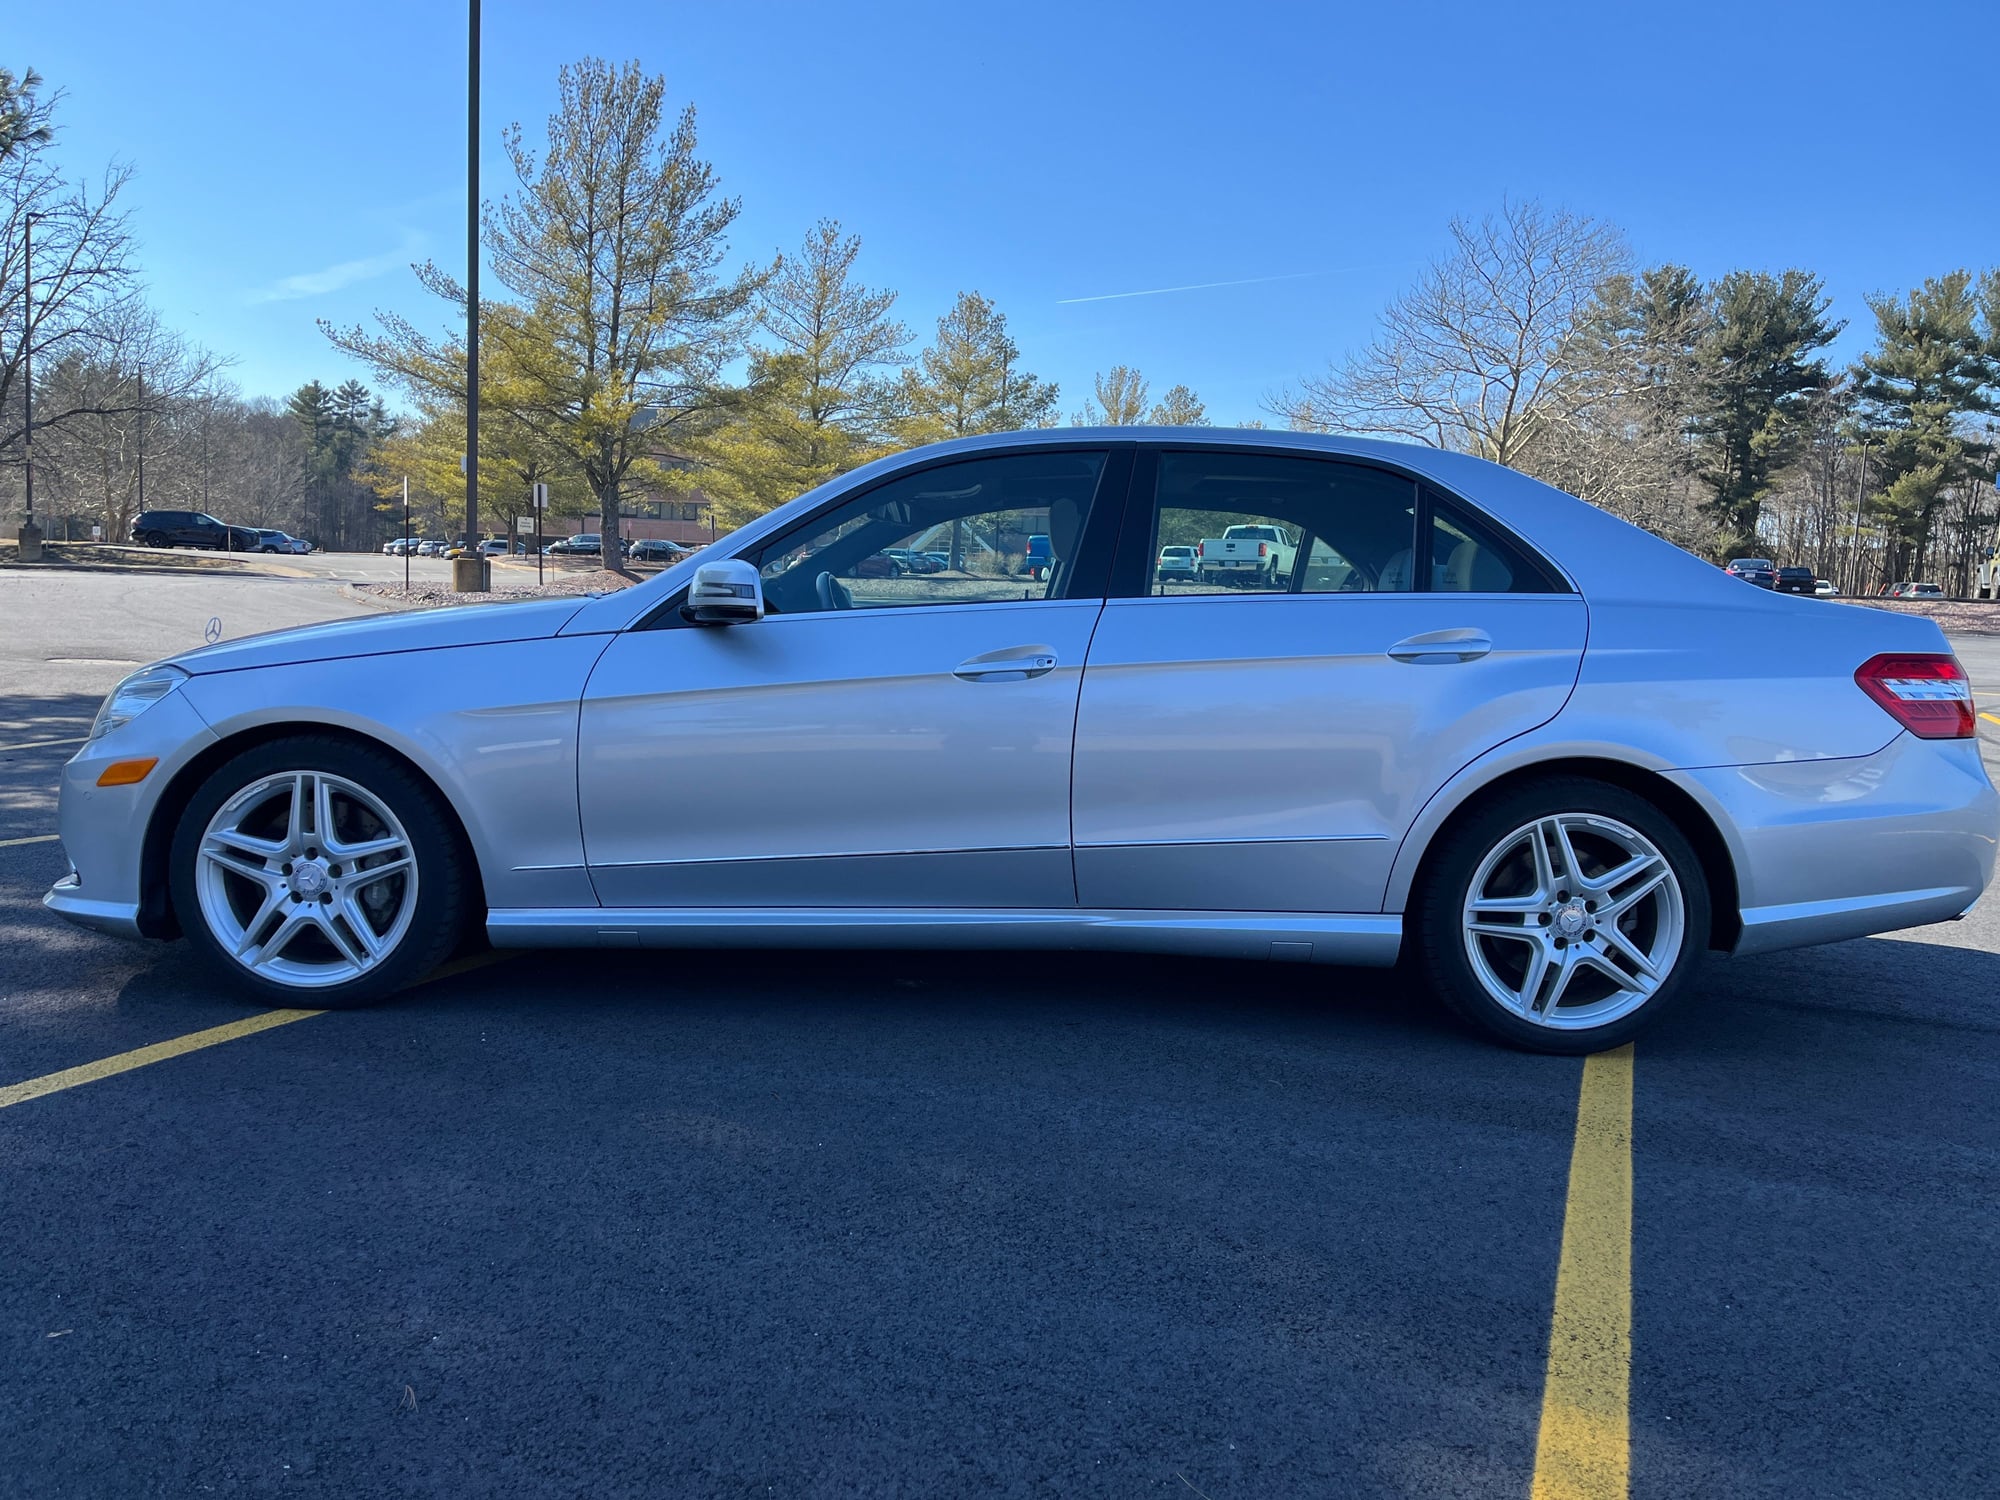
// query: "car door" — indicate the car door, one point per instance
point(1265, 747)
point(876, 740)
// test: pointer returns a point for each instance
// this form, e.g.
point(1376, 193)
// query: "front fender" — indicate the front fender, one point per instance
point(493, 726)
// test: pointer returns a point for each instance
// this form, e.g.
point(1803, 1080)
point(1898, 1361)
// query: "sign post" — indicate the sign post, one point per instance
point(540, 505)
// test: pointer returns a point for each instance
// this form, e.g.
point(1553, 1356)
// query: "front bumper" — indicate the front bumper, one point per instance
point(1833, 849)
point(104, 828)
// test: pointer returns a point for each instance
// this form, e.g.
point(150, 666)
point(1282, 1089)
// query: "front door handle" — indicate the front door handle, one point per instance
point(1015, 664)
point(1440, 646)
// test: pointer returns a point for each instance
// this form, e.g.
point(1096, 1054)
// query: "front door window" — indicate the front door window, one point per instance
point(991, 530)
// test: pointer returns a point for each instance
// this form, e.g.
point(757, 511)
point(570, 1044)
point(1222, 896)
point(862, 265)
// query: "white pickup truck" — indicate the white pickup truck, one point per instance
point(1255, 553)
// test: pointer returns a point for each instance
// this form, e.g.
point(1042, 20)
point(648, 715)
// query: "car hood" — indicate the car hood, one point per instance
point(383, 635)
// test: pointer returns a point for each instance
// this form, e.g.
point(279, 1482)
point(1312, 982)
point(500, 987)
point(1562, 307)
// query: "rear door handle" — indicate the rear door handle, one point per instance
point(1439, 646)
point(1015, 664)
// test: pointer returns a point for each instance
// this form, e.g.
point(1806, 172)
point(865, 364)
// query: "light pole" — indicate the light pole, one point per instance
point(469, 568)
point(30, 534)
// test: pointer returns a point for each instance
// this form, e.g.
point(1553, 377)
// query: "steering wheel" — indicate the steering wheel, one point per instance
point(832, 592)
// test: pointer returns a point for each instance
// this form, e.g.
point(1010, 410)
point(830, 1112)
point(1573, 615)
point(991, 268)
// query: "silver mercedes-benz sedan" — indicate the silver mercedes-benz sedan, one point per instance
point(1406, 705)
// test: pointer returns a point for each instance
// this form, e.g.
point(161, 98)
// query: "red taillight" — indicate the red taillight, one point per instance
point(1928, 695)
point(1201, 549)
point(1263, 549)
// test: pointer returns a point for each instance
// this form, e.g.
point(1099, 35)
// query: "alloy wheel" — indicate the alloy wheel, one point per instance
point(1573, 921)
point(307, 879)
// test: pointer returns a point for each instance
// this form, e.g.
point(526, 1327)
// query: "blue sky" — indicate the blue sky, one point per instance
point(292, 161)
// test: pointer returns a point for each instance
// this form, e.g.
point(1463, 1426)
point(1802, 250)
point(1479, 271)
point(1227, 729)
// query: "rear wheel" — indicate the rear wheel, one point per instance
point(1563, 916)
point(319, 872)
point(155, 539)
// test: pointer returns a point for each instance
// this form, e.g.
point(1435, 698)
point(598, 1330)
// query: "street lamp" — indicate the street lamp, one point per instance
point(469, 569)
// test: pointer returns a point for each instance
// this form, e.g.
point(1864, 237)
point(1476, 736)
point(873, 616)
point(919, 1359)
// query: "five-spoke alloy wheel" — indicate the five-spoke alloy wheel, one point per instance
point(1562, 916)
point(318, 870)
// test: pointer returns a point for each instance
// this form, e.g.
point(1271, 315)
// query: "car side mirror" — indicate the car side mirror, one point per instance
point(725, 593)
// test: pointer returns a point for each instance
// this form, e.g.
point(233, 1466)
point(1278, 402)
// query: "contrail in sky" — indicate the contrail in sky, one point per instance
point(1199, 286)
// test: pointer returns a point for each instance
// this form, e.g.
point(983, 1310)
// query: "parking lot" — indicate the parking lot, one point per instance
point(631, 1223)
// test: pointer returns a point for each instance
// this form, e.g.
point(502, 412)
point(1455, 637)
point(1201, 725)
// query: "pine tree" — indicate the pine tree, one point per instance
point(1758, 381)
point(1936, 363)
point(814, 406)
point(1180, 407)
point(1119, 399)
point(970, 380)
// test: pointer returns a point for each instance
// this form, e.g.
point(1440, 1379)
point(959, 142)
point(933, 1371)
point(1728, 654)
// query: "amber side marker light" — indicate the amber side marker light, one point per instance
point(126, 772)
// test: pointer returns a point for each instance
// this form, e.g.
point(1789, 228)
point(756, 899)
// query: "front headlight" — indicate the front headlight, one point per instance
point(134, 696)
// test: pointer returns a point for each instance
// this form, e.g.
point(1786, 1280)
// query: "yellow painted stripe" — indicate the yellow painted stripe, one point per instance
point(1988, 717)
point(38, 838)
point(125, 1062)
point(1584, 1450)
point(195, 1041)
point(39, 744)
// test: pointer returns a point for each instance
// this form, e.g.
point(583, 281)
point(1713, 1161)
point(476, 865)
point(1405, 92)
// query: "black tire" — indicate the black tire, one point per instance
point(444, 877)
point(155, 539)
point(1438, 944)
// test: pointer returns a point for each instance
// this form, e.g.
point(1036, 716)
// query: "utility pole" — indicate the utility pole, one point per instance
point(470, 569)
point(406, 533)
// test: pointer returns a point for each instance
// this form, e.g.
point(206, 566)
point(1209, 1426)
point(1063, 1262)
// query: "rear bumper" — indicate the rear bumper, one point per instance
point(1833, 849)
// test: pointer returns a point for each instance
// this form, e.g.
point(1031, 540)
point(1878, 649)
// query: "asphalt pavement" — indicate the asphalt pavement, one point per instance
point(647, 1224)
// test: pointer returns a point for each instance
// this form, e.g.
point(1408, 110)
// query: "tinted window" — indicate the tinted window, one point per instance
point(991, 529)
point(1273, 524)
point(1470, 557)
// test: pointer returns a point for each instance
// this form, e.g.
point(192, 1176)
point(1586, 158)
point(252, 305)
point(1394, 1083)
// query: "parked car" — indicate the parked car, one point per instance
point(879, 565)
point(1039, 559)
point(278, 541)
point(1550, 774)
point(1825, 588)
point(1176, 565)
point(496, 547)
point(942, 559)
point(1909, 590)
point(192, 528)
point(658, 550)
point(915, 562)
point(1794, 581)
point(1758, 570)
point(583, 544)
point(1258, 554)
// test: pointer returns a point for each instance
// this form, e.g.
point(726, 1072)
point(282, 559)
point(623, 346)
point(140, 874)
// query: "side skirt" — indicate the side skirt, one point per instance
point(1368, 940)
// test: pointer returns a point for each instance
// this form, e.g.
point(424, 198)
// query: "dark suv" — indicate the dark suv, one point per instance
point(192, 528)
point(1795, 580)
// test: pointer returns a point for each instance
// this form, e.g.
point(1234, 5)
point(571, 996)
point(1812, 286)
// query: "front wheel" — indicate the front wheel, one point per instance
point(319, 872)
point(1562, 916)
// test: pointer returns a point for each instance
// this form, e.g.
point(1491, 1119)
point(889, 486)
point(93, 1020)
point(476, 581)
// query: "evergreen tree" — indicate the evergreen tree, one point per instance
point(1936, 363)
point(970, 380)
point(1758, 380)
point(814, 406)
point(1119, 399)
point(1180, 407)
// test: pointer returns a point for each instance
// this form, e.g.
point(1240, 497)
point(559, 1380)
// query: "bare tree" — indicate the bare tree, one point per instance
point(1482, 354)
point(84, 272)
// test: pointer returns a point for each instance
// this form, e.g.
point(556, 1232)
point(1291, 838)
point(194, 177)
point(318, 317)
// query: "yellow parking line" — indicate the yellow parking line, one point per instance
point(1584, 1449)
point(40, 744)
point(125, 1062)
point(195, 1041)
point(39, 838)
point(1988, 717)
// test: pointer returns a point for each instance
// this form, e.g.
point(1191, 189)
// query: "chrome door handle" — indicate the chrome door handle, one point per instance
point(1439, 646)
point(1007, 666)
